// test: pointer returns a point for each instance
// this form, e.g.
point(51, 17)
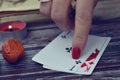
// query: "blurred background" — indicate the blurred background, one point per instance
point(28, 10)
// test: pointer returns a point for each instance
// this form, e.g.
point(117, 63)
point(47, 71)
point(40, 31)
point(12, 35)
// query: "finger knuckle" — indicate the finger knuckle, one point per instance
point(57, 16)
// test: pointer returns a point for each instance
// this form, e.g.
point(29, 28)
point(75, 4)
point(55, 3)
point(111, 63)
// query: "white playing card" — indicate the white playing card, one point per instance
point(78, 69)
point(57, 54)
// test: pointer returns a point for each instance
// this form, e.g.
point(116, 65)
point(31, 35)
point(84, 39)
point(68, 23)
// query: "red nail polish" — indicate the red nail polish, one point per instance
point(76, 53)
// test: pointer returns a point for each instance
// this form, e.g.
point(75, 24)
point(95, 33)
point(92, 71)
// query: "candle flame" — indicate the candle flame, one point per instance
point(10, 27)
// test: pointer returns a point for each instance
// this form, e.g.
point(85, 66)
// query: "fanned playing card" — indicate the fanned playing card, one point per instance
point(57, 54)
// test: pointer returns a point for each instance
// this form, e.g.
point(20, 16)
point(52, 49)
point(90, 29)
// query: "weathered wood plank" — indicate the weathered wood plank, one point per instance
point(107, 9)
point(107, 68)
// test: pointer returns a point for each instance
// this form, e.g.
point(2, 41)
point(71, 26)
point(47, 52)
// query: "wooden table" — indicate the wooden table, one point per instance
point(40, 34)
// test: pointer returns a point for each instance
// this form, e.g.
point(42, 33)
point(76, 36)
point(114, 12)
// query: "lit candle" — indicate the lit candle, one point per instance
point(10, 28)
point(13, 29)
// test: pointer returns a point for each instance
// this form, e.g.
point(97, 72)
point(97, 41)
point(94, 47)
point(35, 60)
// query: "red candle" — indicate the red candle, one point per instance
point(12, 26)
point(13, 29)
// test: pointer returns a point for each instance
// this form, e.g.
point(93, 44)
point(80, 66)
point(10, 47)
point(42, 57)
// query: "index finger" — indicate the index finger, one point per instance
point(83, 20)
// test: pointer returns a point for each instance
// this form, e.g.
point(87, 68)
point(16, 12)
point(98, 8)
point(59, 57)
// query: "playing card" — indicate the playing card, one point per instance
point(57, 54)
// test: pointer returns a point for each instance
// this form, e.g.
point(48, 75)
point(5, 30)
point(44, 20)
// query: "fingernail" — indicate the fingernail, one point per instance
point(76, 51)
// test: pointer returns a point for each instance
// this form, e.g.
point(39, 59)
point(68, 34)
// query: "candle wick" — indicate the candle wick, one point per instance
point(10, 28)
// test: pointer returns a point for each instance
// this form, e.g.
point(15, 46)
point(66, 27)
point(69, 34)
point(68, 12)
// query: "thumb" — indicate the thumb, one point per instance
point(83, 19)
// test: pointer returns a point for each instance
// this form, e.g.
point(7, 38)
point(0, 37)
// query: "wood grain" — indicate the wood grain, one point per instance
point(41, 34)
point(107, 9)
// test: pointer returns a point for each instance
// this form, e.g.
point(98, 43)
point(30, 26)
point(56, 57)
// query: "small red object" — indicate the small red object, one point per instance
point(83, 65)
point(12, 50)
point(12, 26)
point(13, 29)
point(93, 56)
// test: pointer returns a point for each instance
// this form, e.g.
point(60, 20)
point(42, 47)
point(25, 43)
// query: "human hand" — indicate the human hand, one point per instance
point(58, 11)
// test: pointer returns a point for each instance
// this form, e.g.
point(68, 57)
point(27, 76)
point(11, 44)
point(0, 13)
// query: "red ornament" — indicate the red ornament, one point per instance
point(12, 50)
